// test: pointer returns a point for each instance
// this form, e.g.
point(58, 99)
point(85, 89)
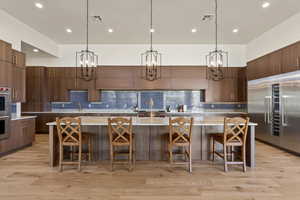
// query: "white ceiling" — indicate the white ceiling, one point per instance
point(173, 19)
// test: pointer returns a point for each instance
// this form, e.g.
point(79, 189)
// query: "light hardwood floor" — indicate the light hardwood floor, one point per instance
point(25, 175)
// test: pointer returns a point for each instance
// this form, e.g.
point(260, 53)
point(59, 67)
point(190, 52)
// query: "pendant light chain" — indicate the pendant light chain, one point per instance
point(216, 23)
point(87, 25)
point(151, 25)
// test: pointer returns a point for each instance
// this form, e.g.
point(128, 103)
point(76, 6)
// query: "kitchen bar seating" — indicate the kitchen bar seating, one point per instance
point(180, 135)
point(69, 134)
point(235, 134)
point(120, 136)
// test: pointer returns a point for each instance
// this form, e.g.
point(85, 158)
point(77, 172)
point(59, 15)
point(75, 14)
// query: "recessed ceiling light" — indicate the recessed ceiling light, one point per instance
point(39, 5)
point(194, 30)
point(68, 30)
point(35, 50)
point(235, 30)
point(110, 30)
point(265, 4)
point(152, 30)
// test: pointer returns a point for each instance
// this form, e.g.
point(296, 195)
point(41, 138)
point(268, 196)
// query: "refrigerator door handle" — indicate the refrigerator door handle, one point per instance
point(270, 110)
point(266, 110)
point(283, 111)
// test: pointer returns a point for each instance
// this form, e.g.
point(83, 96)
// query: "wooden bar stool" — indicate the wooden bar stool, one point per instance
point(235, 135)
point(180, 135)
point(69, 133)
point(120, 135)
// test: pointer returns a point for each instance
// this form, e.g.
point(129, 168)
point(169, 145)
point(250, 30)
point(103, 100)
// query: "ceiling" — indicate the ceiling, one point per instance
point(173, 19)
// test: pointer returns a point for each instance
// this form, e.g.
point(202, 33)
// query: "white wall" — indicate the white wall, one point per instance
point(280, 36)
point(130, 55)
point(14, 32)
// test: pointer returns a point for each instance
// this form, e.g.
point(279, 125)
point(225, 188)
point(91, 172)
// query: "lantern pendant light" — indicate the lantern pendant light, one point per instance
point(86, 60)
point(216, 60)
point(151, 59)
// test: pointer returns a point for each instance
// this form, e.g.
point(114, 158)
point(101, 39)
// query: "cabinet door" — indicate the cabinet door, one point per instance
point(186, 77)
point(291, 58)
point(5, 74)
point(251, 70)
point(114, 78)
point(275, 62)
point(5, 51)
point(18, 84)
point(58, 84)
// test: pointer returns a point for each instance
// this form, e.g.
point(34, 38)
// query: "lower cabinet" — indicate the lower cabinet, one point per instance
point(22, 134)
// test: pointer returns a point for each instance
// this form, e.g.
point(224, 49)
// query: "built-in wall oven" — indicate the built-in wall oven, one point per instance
point(5, 112)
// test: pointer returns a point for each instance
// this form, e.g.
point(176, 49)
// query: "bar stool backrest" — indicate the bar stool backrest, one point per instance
point(120, 130)
point(235, 130)
point(69, 130)
point(180, 130)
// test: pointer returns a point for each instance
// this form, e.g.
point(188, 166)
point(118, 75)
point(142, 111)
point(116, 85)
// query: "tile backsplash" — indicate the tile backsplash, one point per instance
point(127, 100)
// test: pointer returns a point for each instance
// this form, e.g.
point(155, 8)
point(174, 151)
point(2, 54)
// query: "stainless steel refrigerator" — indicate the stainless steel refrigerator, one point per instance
point(274, 103)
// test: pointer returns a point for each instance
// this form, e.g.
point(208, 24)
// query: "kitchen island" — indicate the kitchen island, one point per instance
point(151, 143)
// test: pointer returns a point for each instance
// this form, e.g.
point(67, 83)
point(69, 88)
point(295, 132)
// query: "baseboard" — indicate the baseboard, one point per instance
point(278, 147)
point(14, 150)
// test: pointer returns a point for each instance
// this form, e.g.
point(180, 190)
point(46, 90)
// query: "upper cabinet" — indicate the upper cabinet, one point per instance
point(5, 64)
point(5, 74)
point(281, 61)
point(60, 81)
point(291, 58)
point(187, 77)
point(5, 51)
point(18, 79)
point(114, 78)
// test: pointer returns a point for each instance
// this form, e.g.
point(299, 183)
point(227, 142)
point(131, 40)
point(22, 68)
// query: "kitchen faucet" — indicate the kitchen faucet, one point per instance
point(79, 106)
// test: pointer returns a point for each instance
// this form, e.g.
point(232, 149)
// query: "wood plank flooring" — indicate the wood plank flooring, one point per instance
point(25, 175)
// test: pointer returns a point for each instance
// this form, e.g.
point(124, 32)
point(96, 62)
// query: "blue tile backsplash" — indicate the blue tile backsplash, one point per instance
point(131, 99)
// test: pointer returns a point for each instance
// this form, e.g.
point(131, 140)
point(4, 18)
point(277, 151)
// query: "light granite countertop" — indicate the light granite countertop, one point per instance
point(133, 112)
point(151, 121)
point(22, 117)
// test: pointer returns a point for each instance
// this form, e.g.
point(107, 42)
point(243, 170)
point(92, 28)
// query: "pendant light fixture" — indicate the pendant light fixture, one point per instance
point(218, 59)
point(86, 60)
point(151, 59)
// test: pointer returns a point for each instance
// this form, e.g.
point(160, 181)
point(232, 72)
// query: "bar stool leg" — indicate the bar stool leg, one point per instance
point(190, 158)
point(244, 158)
point(61, 153)
point(214, 149)
point(170, 154)
point(79, 157)
point(90, 149)
point(111, 157)
point(130, 157)
point(225, 158)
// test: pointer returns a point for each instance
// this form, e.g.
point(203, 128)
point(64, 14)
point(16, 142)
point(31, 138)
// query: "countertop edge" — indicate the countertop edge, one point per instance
point(23, 118)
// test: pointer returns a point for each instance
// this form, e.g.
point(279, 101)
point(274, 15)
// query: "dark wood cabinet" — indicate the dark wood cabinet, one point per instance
point(37, 96)
point(5, 51)
point(115, 78)
point(18, 78)
point(291, 58)
point(281, 61)
point(186, 77)
point(5, 64)
point(60, 81)
point(18, 85)
point(22, 134)
point(5, 74)
point(274, 63)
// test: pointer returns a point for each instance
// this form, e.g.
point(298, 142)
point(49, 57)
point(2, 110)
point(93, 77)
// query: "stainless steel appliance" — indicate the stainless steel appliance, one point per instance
point(5, 112)
point(274, 103)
